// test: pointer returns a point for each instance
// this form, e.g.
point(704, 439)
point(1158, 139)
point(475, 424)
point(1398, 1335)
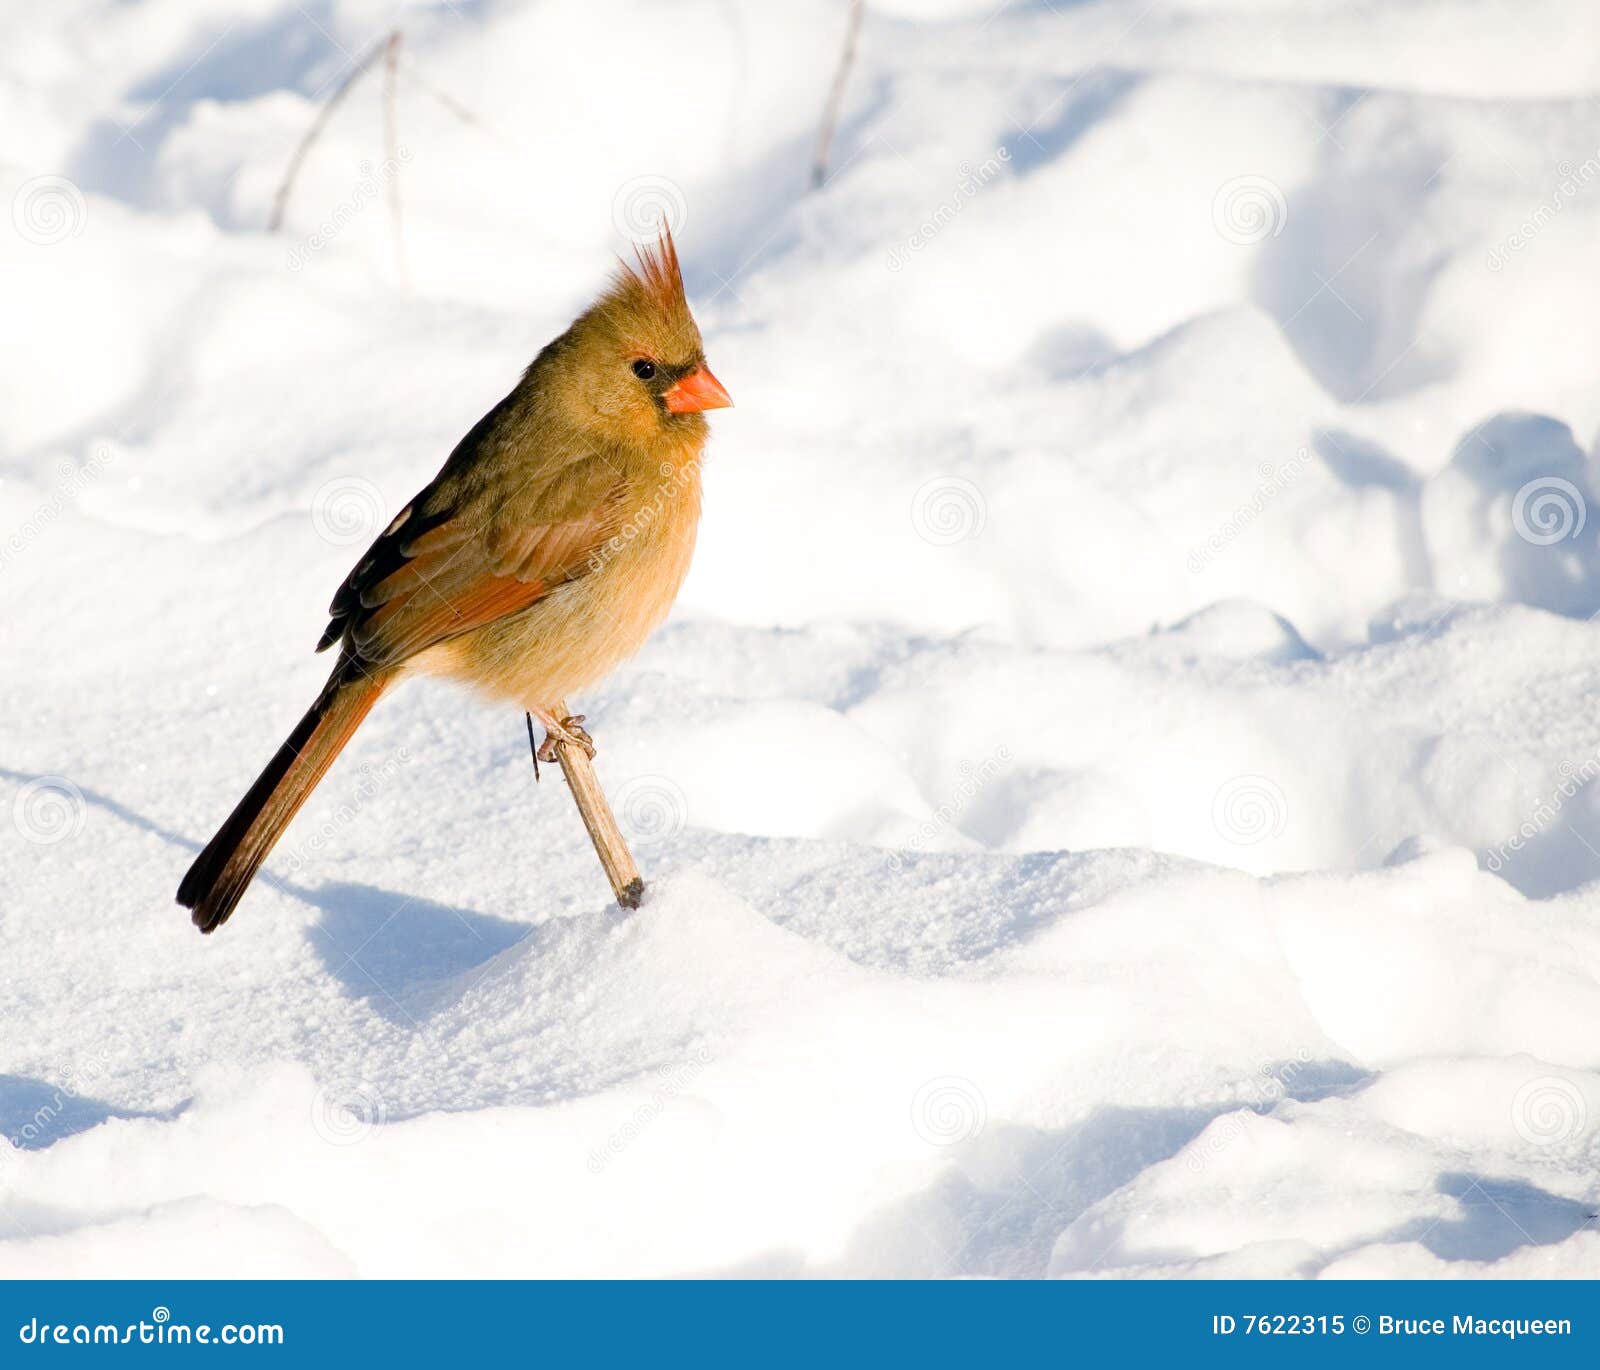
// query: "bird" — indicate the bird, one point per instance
point(549, 546)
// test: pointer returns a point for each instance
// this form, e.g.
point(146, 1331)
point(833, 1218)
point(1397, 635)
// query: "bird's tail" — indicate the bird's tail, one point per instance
point(223, 871)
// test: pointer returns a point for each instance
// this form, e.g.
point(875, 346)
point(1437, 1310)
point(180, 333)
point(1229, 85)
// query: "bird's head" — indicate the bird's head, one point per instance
point(634, 361)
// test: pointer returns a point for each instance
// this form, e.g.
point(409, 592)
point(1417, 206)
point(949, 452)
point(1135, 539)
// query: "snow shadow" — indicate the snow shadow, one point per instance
point(1005, 1224)
point(380, 944)
point(999, 1206)
point(1360, 464)
point(1009, 1192)
point(1514, 517)
point(1085, 102)
point(377, 943)
point(116, 808)
point(1339, 274)
point(35, 1113)
point(1498, 1217)
point(1559, 848)
point(121, 156)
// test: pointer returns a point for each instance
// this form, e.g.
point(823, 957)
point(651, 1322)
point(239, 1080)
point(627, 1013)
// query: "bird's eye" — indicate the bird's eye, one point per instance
point(644, 369)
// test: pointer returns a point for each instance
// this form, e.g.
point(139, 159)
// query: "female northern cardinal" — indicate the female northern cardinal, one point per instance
point(545, 551)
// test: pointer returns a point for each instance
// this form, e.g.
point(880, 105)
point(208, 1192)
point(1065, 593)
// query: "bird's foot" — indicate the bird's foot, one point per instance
point(570, 732)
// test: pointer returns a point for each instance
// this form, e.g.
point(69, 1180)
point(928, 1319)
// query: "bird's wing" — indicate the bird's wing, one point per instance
point(458, 557)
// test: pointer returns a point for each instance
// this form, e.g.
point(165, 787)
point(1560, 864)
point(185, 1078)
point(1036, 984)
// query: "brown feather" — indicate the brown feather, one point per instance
point(221, 873)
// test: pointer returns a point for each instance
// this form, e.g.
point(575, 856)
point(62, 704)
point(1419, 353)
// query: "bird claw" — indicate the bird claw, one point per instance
point(568, 732)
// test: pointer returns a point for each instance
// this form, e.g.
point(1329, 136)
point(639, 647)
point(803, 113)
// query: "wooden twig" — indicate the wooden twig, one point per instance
point(830, 111)
point(280, 201)
point(391, 147)
point(444, 98)
point(597, 817)
point(456, 109)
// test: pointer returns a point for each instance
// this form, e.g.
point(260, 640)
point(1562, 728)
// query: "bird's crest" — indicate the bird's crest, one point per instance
point(658, 271)
point(651, 289)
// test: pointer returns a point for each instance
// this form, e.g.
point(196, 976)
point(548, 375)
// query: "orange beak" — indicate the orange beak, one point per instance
point(697, 392)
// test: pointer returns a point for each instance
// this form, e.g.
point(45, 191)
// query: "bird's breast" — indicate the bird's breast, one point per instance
point(580, 631)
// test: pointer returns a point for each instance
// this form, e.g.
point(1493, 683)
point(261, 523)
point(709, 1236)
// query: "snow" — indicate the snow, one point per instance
point(1117, 788)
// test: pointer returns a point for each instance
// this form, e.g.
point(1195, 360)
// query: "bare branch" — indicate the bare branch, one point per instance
point(609, 844)
point(391, 146)
point(830, 112)
point(280, 201)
